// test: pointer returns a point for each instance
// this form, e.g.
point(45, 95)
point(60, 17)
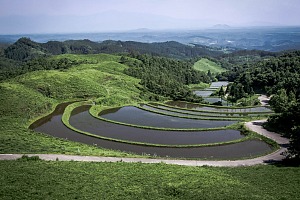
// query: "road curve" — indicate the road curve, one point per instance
point(253, 126)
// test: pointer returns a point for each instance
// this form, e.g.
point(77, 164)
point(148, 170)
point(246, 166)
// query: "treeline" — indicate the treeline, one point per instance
point(166, 77)
point(11, 68)
point(282, 72)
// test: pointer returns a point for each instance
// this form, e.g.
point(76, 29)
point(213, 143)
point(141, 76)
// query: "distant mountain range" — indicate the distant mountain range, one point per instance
point(220, 36)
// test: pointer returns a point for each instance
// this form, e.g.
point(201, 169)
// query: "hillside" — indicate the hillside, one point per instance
point(25, 49)
point(83, 180)
point(34, 94)
point(206, 65)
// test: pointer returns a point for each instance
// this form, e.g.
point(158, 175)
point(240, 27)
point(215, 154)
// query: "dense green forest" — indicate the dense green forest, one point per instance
point(167, 77)
point(25, 49)
point(279, 77)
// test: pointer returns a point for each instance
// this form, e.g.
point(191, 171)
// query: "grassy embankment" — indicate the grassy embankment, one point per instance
point(81, 180)
point(33, 95)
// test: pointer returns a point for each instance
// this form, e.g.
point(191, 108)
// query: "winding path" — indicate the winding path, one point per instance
point(255, 126)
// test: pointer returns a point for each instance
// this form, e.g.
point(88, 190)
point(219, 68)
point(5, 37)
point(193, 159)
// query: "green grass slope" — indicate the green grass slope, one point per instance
point(81, 180)
point(204, 65)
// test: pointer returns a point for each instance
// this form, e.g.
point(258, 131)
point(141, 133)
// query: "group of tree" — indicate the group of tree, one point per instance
point(280, 77)
point(286, 119)
point(167, 77)
point(26, 49)
point(10, 68)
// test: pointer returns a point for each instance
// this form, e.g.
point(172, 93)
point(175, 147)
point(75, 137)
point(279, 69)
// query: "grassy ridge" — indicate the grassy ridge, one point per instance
point(204, 65)
point(81, 180)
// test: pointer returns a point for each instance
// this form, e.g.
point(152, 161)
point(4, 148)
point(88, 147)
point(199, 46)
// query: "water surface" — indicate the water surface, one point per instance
point(52, 125)
point(137, 116)
point(187, 105)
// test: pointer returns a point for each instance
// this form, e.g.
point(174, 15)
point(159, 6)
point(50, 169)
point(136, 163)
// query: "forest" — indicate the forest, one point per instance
point(279, 77)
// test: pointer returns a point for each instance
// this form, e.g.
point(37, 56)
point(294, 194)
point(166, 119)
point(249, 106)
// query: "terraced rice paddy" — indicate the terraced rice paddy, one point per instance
point(181, 104)
point(206, 113)
point(183, 113)
point(203, 93)
point(175, 129)
point(133, 115)
point(222, 144)
point(206, 93)
point(53, 125)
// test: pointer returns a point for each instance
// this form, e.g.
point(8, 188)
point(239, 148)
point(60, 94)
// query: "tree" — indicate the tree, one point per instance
point(279, 101)
point(221, 93)
point(294, 148)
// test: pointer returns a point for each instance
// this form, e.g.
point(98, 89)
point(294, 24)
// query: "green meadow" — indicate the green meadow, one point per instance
point(34, 179)
point(204, 65)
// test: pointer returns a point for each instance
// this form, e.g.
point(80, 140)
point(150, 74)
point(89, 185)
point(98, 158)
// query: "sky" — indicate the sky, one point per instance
point(62, 16)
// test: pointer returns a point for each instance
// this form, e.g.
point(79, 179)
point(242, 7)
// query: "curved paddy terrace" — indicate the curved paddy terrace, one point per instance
point(193, 106)
point(82, 120)
point(205, 113)
point(137, 116)
point(241, 147)
point(186, 114)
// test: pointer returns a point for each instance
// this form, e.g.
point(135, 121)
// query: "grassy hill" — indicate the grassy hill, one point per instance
point(204, 65)
point(25, 49)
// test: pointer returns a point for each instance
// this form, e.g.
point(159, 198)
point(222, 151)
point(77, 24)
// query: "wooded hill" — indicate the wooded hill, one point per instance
point(25, 49)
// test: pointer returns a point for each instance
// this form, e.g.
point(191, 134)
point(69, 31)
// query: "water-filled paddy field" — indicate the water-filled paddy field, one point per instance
point(182, 104)
point(82, 120)
point(205, 112)
point(133, 115)
point(184, 113)
point(203, 93)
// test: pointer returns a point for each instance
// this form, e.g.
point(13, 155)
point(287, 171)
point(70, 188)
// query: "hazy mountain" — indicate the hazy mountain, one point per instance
point(221, 26)
point(106, 21)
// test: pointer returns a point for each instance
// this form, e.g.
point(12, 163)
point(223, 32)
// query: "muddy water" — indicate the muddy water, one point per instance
point(137, 116)
point(52, 125)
